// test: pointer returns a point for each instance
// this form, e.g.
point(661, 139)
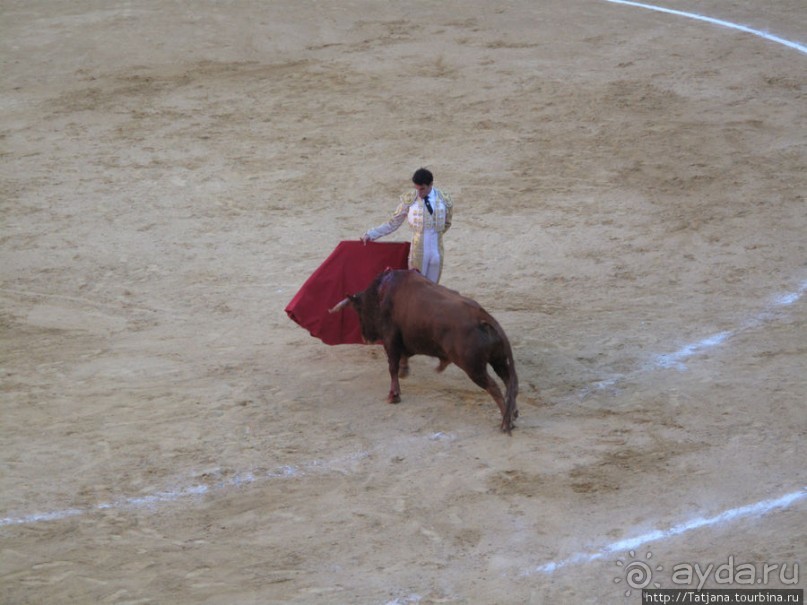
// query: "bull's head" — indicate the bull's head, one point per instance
point(367, 308)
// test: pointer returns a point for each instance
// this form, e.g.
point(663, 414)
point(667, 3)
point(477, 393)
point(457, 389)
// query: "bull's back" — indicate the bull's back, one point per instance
point(434, 320)
point(413, 300)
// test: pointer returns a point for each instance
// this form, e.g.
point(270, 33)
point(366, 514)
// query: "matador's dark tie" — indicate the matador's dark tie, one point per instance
point(428, 205)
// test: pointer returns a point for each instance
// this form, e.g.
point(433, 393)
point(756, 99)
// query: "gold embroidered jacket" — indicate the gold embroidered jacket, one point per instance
point(411, 208)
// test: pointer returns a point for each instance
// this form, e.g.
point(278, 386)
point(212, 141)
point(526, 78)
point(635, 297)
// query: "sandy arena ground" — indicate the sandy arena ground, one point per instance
point(629, 189)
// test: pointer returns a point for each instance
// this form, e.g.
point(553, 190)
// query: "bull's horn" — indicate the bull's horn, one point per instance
point(339, 306)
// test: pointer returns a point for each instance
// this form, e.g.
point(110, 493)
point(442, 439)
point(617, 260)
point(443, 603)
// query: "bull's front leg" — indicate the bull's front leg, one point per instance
point(394, 361)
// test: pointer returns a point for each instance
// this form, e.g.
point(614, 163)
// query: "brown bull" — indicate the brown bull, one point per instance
point(412, 315)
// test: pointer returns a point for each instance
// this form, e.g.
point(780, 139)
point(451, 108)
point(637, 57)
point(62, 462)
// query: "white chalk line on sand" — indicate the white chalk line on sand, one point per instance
point(771, 313)
point(177, 494)
point(743, 28)
point(676, 359)
point(757, 509)
point(151, 501)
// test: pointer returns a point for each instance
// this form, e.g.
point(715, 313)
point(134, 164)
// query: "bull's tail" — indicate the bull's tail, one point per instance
point(511, 409)
point(505, 368)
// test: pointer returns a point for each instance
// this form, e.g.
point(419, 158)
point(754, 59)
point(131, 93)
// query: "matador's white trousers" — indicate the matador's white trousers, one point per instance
point(431, 255)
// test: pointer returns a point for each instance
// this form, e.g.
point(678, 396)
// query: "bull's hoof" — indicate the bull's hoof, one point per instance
point(393, 398)
point(444, 363)
point(403, 371)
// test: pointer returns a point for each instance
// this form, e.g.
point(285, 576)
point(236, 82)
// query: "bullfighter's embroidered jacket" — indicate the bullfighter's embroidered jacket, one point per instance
point(412, 209)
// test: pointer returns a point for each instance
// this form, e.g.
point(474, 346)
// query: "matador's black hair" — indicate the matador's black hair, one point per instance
point(422, 177)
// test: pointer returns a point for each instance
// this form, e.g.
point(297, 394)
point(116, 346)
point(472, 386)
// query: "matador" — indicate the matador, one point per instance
point(428, 211)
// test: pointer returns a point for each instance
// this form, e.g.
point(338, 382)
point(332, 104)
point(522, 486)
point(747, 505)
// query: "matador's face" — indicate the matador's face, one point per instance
point(423, 190)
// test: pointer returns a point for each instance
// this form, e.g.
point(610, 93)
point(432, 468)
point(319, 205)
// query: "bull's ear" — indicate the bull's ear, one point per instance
point(357, 300)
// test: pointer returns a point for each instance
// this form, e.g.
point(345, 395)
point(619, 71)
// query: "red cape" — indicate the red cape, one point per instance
point(349, 269)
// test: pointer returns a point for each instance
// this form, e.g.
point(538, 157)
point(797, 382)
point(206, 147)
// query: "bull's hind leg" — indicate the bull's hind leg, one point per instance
point(394, 361)
point(394, 387)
